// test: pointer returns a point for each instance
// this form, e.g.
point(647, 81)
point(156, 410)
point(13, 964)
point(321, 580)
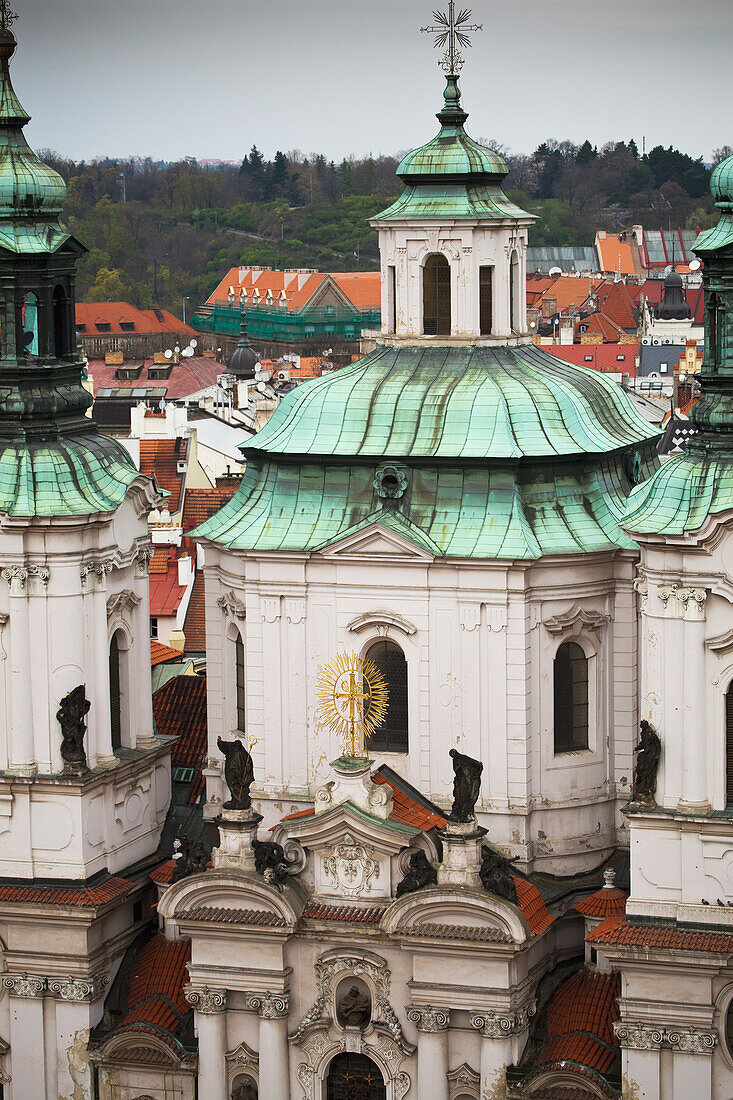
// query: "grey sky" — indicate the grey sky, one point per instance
point(210, 78)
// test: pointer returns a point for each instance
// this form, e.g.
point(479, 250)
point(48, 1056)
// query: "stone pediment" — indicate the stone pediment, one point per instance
point(445, 913)
point(386, 536)
point(346, 853)
point(234, 899)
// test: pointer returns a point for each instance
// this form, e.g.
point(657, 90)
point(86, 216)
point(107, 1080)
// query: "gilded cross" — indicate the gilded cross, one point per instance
point(355, 699)
point(451, 30)
point(7, 17)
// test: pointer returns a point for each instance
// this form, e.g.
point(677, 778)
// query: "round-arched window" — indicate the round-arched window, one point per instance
point(392, 736)
point(354, 1077)
point(571, 698)
point(436, 296)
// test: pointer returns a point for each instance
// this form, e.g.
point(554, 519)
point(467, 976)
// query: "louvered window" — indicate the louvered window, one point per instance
point(729, 746)
point(571, 698)
point(240, 672)
point(436, 296)
point(486, 299)
point(390, 660)
point(115, 707)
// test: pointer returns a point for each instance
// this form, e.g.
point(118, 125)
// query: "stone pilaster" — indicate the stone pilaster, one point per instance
point(209, 1006)
point(432, 1050)
point(499, 1031)
point(273, 1010)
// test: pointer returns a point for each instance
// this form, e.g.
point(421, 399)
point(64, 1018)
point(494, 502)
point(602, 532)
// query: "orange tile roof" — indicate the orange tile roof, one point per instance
point(110, 890)
point(604, 903)
point(579, 1020)
point(355, 914)
point(163, 873)
point(617, 305)
point(159, 560)
point(155, 995)
point(201, 504)
point(615, 254)
point(597, 324)
point(622, 931)
point(179, 707)
point(194, 627)
point(160, 653)
point(165, 591)
point(408, 810)
point(532, 905)
point(362, 288)
point(145, 321)
point(568, 290)
point(602, 357)
point(160, 457)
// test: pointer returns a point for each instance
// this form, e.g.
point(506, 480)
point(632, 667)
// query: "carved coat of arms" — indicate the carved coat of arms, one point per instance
point(351, 867)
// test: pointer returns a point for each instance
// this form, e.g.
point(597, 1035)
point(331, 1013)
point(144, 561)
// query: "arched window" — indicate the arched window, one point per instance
point(61, 341)
point(486, 300)
point(390, 660)
point(354, 1077)
point(729, 745)
point(240, 674)
point(436, 296)
point(514, 292)
point(29, 317)
point(115, 701)
point(571, 698)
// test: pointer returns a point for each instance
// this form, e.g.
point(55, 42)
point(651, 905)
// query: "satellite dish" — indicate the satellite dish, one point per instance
point(695, 265)
point(169, 354)
point(555, 271)
point(194, 343)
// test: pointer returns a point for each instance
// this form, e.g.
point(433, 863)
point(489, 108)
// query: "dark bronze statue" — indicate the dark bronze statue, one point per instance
point(419, 873)
point(238, 773)
point(496, 874)
point(71, 714)
point(648, 752)
point(466, 786)
point(354, 1009)
point(270, 861)
point(192, 860)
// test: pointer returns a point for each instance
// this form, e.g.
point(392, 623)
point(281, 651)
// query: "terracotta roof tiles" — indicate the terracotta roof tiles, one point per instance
point(163, 873)
point(155, 996)
point(202, 504)
point(165, 591)
point(604, 903)
point(600, 356)
point(160, 458)
point(579, 1020)
point(622, 931)
point(160, 653)
point(145, 321)
point(159, 560)
point(179, 707)
point(533, 907)
point(112, 889)
point(194, 626)
point(220, 915)
point(188, 377)
point(406, 809)
point(351, 913)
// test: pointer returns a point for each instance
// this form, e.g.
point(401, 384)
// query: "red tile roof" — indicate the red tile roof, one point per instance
point(622, 931)
point(159, 560)
point(616, 254)
point(194, 627)
point(145, 321)
point(201, 504)
point(530, 902)
point(112, 889)
point(160, 653)
point(603, 357)
point(604, 903)
point(408, 810)
point(188, 377)
point(362, 288)
point(597, 324)
point(160, 458)
point(617, 304)
point(579, 1019)
point(155, 995)
point(165, 591)
point(163, 873)
point(179, 707)
point(352, 913)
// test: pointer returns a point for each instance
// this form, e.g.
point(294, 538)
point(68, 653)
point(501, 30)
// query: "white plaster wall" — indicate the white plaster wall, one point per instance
point(467, 247)
point(479, 659)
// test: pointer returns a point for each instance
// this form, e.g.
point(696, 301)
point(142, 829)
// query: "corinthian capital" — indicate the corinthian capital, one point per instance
point(204, 999)
point(500, 1025)
point(429, 1018)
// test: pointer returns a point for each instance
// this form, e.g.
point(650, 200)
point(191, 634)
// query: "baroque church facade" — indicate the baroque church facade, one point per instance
point(444, 917)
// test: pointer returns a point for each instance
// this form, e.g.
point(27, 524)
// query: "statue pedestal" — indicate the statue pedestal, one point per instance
point(237, 830)
point(461, 862)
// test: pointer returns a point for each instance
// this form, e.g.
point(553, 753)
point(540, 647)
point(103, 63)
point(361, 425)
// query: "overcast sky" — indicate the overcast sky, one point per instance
point(210, 78)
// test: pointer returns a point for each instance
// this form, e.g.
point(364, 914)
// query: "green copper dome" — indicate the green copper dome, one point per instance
point(721, 181)
point(500, 453)
point(452, 176)
point(28, 187)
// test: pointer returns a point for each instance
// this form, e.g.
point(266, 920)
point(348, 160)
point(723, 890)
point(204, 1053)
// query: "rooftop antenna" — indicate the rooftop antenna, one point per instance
point(451, 31)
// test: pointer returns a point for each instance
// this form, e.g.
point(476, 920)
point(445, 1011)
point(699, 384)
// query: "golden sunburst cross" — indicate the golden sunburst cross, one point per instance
point(452, 31)
point(352, 700)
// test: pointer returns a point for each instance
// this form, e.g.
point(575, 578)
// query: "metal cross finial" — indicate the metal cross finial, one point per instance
point(7, 17)
point(451, 31)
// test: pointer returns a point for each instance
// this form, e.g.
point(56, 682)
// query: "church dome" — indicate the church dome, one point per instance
point(28, 187)
point(721, 181)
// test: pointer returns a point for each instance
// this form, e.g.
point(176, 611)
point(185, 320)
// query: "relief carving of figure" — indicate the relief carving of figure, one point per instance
point(648, 752)
point(355, 1008)
point(419, 873)
point(466, 786)
point(71, 717)
point(238, 774)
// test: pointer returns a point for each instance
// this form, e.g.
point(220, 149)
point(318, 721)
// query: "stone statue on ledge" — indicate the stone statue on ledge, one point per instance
point(191, 857)
point(71, 714)
point(466, 786)
point(270, 861)
point(419, 873)
point(649, 751)
point(496, 874)
point(238, 774)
